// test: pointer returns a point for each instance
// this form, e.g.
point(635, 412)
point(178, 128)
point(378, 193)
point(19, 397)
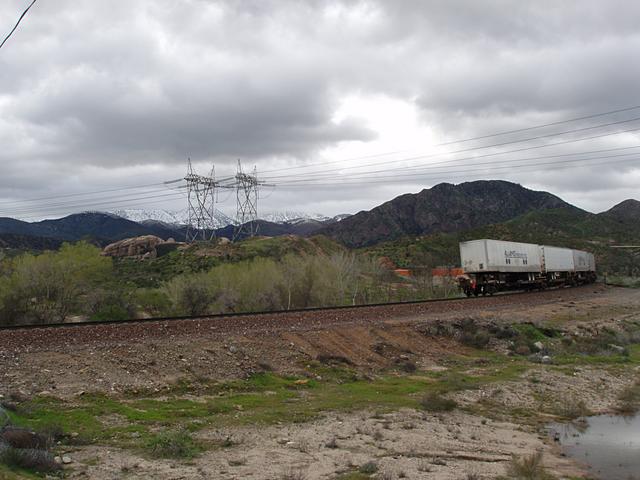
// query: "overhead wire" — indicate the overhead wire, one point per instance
point(438, 165)
point(93, 192)
point(445, 175)
point(17, 23)
point(601, 114)
point(75, 207)
point(84, 201)
point(522, 149)
point(70, 212)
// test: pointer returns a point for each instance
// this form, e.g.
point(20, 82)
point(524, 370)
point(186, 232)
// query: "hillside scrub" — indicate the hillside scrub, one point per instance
point(49, 287)
point(262, 284)
point(77, 281)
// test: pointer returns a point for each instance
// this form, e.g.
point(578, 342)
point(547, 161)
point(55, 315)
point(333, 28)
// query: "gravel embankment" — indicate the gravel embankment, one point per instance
point(34, 339)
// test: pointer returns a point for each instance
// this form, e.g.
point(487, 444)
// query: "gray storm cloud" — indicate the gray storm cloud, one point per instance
point(100, 86)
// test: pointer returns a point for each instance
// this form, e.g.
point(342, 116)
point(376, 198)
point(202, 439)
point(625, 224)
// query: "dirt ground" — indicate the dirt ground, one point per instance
point(66, 362)
point(479, 439)
point(405, 444)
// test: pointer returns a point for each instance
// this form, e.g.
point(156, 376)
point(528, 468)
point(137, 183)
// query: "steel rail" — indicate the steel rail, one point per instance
point(208, 317)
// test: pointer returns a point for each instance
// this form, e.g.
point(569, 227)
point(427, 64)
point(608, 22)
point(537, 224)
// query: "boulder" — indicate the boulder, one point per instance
point(140, 247)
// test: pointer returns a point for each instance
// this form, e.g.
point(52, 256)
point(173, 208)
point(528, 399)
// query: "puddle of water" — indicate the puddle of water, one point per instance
point(608, 444)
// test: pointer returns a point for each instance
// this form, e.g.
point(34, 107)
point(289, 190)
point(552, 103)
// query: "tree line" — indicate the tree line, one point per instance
point(77, 283)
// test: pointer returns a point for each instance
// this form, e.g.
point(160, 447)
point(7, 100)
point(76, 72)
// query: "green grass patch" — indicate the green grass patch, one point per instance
point(8, 473)
point(265, 398)
point(173, 444)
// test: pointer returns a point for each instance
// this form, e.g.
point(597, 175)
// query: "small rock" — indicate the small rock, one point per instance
point(57, 459)
point(66, 459)
point(617, 348)
point(539, 345)
point(546, 359)
point(233, 349)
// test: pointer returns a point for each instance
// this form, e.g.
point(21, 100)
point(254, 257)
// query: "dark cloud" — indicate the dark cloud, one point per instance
point(103, 90)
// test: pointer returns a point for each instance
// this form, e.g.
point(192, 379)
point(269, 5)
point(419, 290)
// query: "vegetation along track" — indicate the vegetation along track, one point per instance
point(48, 336)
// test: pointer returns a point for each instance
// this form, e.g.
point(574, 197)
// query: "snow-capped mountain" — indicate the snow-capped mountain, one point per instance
point(292, 216)
point(168, 217)
point(181, 217)
point(165, 216)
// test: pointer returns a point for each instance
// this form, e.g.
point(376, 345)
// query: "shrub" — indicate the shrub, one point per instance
point(21, 438)
point(368, 468)
point(189, 294)
point(408, 367)
point(173, 445)
point(29, 459)
point(479, 339)
point(528, 468)
point(54, 432)
point(434, 402)
point(153, 301)
point(333, 443)
point(472, 335)
point(4, 417)
point(629, 400)
point(572, 408)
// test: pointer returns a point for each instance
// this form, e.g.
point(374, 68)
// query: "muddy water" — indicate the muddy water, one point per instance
point(608, 444)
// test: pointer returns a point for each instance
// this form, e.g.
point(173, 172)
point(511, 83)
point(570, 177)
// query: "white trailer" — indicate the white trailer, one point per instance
point(584, 261)
point(556, 259)
point(486, 255)
point(494, 265)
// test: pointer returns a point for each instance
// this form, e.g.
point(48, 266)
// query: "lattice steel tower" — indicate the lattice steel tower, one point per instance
point(247, 203)
point(201, 196)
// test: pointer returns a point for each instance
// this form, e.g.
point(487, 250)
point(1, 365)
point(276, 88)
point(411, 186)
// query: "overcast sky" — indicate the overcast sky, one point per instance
point(98, 95)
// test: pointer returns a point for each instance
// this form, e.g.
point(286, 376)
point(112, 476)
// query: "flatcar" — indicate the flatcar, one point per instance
point(492, 266)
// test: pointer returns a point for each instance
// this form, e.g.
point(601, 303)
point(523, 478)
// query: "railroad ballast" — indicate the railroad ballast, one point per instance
point(495, 265)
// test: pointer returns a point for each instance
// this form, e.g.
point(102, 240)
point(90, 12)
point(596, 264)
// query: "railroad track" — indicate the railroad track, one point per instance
point(293, 312)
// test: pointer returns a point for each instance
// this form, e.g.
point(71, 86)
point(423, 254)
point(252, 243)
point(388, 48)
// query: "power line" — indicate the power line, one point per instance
point(511, 163)
point(446, 175)
point(518, 130)
point(447, 163)
point(71, 212)
point(95, 192)
point(420, 157)
point(17, 23)
point(83, 201)
point(595, 115)
point(75, 207)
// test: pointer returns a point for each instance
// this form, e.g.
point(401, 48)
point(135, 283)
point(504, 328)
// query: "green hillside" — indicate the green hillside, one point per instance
point(204, 256)
point(564, 227)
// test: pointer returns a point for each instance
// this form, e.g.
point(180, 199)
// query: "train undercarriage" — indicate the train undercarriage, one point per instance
point(488, 283)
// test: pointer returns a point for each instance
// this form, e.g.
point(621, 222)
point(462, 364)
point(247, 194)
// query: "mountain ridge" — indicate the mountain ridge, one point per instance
point(443, 208)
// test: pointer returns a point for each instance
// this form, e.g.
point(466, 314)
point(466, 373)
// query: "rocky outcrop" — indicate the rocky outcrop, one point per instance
point(139, 247)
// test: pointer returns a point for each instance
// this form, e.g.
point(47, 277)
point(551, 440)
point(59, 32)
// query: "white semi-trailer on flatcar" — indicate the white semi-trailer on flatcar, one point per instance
point(496, 265)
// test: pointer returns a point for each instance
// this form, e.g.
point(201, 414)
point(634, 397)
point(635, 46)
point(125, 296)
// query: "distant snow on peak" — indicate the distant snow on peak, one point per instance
point(158, 215)
point(168, 217)
point(181, 217)
point(289, 216)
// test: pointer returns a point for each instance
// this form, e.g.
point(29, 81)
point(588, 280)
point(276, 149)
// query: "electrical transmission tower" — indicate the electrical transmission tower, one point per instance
point(201, 196)
point(247, 203)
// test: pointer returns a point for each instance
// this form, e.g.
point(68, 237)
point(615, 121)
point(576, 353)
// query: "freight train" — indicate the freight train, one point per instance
point(492, 266)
